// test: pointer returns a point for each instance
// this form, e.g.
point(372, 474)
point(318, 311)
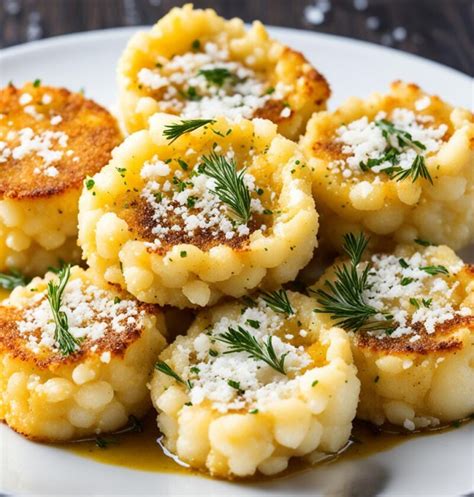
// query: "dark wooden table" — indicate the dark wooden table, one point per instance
point(441, 30)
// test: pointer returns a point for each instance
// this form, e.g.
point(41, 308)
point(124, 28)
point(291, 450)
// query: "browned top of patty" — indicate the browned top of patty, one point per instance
point(140, 220)
point(92, 134)
point(326, 148)
point(14, 344)
point(313, 85)
point(444, 339)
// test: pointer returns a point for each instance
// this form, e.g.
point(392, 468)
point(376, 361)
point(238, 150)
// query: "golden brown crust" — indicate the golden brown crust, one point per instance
point(27, 435)
point(92, 131)
point(442, 340)
point(316, 88)
point(13, 344)
point(327, 149)
point(139, 217)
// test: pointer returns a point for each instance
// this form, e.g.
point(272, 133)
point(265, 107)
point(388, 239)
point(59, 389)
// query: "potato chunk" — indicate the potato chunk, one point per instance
point(415, 354)
point(218, 211)
point(196, 64)
point(49, 395)
point(230, 411)
point(398, 166)
point(50, 141)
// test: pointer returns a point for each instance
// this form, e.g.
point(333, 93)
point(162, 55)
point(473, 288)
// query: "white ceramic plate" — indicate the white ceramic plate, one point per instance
point(439, 465)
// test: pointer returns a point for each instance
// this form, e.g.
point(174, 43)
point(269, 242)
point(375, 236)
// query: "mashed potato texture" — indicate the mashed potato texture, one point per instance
point(233, 414)
point(50, 141)
point(416, 366)
point(49, 396)
point(196, 64)
point(162, 222)
point(398, 166)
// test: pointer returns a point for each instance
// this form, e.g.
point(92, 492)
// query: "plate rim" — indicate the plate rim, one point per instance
point(111, 33)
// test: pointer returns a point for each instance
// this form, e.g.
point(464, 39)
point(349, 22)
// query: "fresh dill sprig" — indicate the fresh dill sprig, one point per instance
point(343, 299)
point(403, 140)
point(434, 270)
point(391, 155)
point(12, 279)
point(164, 368)
point(173, 131)
point(241, 340)
point(417, 170)
point(278, 301)
point(230, 186)
point(66, 342)
point(216, 76)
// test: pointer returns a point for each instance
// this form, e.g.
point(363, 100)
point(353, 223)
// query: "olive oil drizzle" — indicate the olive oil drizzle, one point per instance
point(144, 451)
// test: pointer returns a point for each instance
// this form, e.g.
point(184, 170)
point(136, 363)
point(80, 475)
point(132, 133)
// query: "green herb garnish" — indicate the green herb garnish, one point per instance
point(278, 301)
point(164, 368)
point(136, 426)
point(216, 76)
point(392, 153)
point(230, 186)
point(343, 299)
point(253, 323)
point(173, 131)
point(240, 340)
point(12, 279)
point(417, 170)
point(183, 165)
point(414, 303)
point(66, 342)
point(192, 94)
point(234, 384)
point(37, 83)
point(434, 270)
point(423, 243)
point(89, 183)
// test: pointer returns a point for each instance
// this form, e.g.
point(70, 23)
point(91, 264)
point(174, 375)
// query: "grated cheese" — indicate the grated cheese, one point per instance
point(392, 288)
point(362, 140)
point(91, 312)
point(25, 99)
point(194, 209)
point(258, 382)
point(183, 89)
point(47, 145)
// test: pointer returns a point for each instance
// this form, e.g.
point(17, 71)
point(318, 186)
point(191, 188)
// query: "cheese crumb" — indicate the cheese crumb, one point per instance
point(25, 99)
point(259, 383)
point(91, 312)
point(410, 294)
point(187, 204)
point(362, 140)
point(186, 90)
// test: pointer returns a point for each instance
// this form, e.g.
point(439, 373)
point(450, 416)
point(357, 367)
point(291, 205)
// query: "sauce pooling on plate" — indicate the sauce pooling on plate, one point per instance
point(141, 450)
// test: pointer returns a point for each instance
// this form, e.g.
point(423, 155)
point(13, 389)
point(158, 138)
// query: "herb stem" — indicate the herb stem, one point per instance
point(173, 131)
point(65, 341)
